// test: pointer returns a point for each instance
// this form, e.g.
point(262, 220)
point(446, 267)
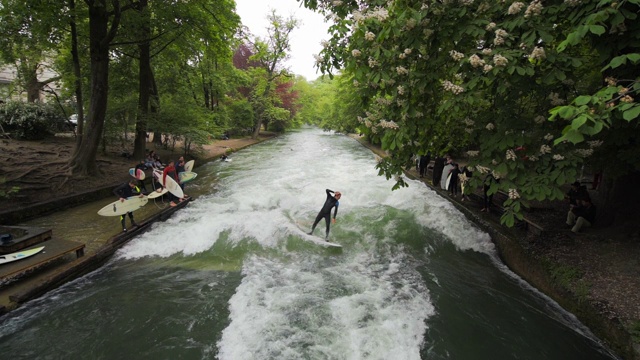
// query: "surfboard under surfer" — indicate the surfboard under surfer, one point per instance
point(325, 212)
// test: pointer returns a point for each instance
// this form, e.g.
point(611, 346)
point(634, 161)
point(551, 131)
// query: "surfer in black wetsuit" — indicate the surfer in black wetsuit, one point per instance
point(325, 212)
point(125, 191)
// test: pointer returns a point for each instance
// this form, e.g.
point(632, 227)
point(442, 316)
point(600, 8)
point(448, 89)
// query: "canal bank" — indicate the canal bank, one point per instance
point(22, 285)
point(530, 253)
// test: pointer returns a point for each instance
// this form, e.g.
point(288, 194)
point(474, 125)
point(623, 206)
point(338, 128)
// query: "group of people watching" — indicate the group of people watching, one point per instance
point(582, 212)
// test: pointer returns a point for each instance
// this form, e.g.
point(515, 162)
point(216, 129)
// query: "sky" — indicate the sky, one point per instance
point(305, 40)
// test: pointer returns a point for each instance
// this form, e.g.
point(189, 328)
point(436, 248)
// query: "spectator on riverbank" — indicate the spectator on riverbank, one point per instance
point(423, 163)
point(453, 181)
point(576, 192)
point(583, 215)
point(438, 166)
point(465, 175)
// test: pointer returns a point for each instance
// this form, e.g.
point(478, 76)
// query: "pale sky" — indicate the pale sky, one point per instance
point(305, 40)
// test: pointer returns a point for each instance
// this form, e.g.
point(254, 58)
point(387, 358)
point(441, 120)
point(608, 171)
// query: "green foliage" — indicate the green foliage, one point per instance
point(31, 121)
point(480, 79)
point(635, 331)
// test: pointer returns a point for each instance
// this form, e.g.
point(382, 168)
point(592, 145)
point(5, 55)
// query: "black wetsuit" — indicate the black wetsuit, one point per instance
point(325, 212)
point(125, 191)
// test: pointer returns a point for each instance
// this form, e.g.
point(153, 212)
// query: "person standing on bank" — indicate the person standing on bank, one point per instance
point(170, 170)
point(125, 191)
point(325, 212)
point(423, 163)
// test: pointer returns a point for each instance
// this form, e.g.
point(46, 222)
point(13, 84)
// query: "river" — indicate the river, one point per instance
point(232, 276)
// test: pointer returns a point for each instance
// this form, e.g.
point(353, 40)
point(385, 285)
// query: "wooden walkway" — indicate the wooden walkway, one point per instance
point(53, 250)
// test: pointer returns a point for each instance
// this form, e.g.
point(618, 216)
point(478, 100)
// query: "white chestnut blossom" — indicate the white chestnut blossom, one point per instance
point(584, 152)
point(449, 86)
point(545, 149)
point(455, 55)
point(476, 61)
point(537, 53)
point(534, 9)
point(473, 153)
point(369, 36)
point(513, 194)
point(401, 70)
point(499, 60)
point(407, 51)
point(548, 137)
point(490, 126)
point(400, 90)
point(487, 68)
point(468, 122)
point(511, 155)
point(594, 143)
point(533, 158)
point(515, 8)
point(482, 169)
point(573, 2)
point(539, 119)
point(558, 157)
point(337, 3)
point(372, 62)
point(356, 52)
point(487, 51)
point(490, 26)
point(389, 124)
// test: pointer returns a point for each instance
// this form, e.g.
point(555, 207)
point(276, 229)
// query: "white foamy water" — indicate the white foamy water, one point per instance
point(367, 302)
point(232, 275)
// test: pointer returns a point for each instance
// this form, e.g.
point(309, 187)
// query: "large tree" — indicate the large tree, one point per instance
point(270, 54)
point(31, 32)
point(104, 18)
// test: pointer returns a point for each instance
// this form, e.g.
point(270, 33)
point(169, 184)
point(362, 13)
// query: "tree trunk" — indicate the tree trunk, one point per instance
point(144, 87)
point(78, 76)
point(616, 201)
point(260, 112)
point(83, 162)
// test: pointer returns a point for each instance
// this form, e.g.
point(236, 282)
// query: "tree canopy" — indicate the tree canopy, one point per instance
point(530, 92)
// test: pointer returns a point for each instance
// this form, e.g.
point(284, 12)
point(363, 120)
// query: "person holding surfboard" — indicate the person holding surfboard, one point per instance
point(325, 212)
point(171, 171)
point(125, 191)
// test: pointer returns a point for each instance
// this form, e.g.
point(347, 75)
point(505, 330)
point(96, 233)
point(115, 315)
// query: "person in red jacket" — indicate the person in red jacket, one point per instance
point(171, 171)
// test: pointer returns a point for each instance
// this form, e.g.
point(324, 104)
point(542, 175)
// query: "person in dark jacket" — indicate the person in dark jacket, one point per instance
point(125, 191)
point(438, 166)
point(576, 192)
point(423, 163)
point(325, 212)
point(583, 215)
point(453, 182)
